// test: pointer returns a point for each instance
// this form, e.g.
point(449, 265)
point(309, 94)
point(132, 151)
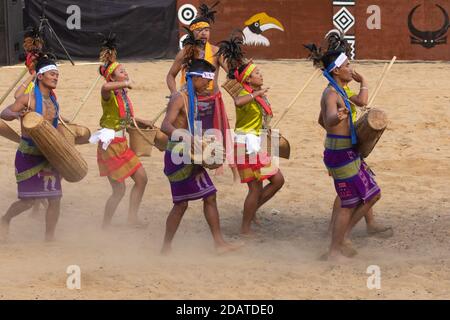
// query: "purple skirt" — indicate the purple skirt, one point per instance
point(187, 181)
point(34, 175)
point(353, 182)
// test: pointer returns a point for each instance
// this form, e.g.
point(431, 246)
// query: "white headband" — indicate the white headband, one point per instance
point(50, 67)
point(338, 62)
point(204, 75)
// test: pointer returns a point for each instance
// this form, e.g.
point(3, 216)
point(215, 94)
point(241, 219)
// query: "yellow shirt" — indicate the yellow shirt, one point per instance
point(111, 117)
point(249, 117)
point(208, 56)
point(350, 94)
point(29, 88)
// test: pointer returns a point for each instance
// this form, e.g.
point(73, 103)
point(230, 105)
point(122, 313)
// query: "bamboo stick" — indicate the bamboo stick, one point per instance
point(306, 84)
point(380, 83)
point(11, 88)
point(85, 98)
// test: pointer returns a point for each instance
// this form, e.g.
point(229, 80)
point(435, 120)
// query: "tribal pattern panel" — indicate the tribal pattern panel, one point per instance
point(344, 20)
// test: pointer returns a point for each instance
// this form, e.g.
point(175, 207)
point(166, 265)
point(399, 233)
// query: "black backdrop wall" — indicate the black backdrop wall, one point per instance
point(144, 28)
point(10, 31)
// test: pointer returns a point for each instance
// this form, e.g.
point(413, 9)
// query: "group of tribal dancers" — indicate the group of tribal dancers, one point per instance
point(199, 101)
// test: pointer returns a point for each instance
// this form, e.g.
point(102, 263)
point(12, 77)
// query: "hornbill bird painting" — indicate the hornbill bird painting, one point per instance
point(256, 26)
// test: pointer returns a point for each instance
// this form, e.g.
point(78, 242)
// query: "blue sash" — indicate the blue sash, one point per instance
point(344, 96)
point(39, 108)
point(192, 104)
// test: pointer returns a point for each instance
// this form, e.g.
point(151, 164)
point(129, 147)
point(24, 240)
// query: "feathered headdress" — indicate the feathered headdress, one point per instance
point(206, 15)
point(315, 55)
point(334, 43)
point(108, 50)
point(231, 51)
point(108, 55)
point(32, 40)
point(191, 47)
point(239, 67)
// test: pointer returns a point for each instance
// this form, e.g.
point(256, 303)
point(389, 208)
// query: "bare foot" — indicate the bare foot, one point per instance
point(228, 247)
point(250, 234)
point(380, 231)
point(337, 256)
point(4, 230)
point(347, 242)
point(166, 250)
point(348, 251)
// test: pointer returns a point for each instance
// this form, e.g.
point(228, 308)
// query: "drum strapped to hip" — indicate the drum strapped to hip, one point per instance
point(372, 123)
point(213, 154)
point(369, 128)
point(61, 154)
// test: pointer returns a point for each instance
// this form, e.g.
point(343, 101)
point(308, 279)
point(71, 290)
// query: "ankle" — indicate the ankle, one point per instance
point(247, 230)
point(219, 241)
point(166, 248)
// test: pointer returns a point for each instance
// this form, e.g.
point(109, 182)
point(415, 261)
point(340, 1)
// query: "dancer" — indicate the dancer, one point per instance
point(200, 31)
point(373, 228)
point(36, 179)
point(356, 188)
point(189, 181)
point(115, 159)
point(32, 45)
point(253, 115)
point(210, 101)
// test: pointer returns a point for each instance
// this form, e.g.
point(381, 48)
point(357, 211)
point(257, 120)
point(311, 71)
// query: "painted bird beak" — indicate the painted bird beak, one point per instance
point(266, 22)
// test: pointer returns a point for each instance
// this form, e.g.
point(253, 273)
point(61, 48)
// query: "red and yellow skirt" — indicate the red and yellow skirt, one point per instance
point(252, 167)
point(118, 161)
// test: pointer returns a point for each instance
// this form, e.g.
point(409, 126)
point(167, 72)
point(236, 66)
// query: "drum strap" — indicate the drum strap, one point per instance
point(186, 103)
point(344, 96)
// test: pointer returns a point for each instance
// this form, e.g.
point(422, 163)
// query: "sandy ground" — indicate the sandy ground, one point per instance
point(412, 162)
